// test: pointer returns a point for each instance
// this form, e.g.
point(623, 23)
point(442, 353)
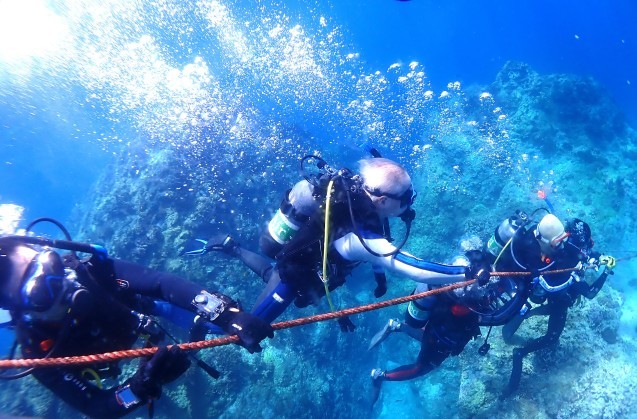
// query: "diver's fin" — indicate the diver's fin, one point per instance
point(377, 380)
point(195, 247)
point(391, 326)
point(223, 243)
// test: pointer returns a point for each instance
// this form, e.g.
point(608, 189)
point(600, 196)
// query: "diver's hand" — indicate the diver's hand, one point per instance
point(250, 329)
point(380, 290)
point(479, 269)
point(581, 268)
point(609, 261)
point(165, 366)
point(381, 281)
point(346, 324)
point(480, 272)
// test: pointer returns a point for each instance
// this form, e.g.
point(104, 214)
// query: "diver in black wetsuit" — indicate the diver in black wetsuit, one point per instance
point(550, 246)
point(67, 307)
point(448, 327)
point(445, 323)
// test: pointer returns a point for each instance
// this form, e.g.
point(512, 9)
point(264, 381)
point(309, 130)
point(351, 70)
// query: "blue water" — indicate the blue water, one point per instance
point(46, 122)
point(235, 89)
point(470, 41)
point(456, 41)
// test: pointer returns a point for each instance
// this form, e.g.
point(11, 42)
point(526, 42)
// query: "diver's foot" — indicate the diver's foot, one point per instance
point(393, 325)
point(223, 243)
point(377, 377)
point(509, 329)
point(516, 374)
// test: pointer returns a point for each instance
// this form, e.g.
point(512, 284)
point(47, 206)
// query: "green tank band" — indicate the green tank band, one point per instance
point(281, 228)
point(493, 246)
point(417, 313)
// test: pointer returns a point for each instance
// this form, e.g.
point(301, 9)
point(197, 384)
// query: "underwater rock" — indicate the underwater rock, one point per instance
point(558, 112)
point(609, 335)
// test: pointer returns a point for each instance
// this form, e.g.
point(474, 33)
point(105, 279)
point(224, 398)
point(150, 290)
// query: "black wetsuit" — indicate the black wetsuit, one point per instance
point(525, 251)
point(448, 330)
point(296, 274)
point(108, 325)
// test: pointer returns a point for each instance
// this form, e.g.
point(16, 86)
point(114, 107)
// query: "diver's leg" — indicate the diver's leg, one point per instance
point(557, 320)
point(509, 329)
point(412, 332)
point(274, 299)
point(429, 358)
point(257, 263)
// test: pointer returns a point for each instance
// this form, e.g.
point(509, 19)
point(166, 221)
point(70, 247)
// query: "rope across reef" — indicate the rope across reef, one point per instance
point(211, 343)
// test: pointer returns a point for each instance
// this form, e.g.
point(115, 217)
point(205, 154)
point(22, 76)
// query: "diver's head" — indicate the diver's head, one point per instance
point(32, 282)
point(14, 261)
point(579, 234)
point(550, 234)
point(388, 185)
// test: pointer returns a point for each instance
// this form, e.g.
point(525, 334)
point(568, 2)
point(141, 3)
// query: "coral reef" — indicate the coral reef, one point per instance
point(557, 133)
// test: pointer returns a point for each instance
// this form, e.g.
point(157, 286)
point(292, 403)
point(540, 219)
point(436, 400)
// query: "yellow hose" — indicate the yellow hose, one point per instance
point(502, 251)
point(94, 374)
point(326, 243)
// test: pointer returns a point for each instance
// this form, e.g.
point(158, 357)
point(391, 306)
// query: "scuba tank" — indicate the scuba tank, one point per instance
point(298, 204)
point(418, 311)
point(505, 231)
point(295, 209)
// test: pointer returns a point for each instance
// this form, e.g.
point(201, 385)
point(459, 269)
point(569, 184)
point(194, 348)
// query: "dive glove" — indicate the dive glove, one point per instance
point(609, 261)
point(380, 290)
point(250, 329)
point(479, 269)
point(381, 281)
point(479, 272)
point(165, 366)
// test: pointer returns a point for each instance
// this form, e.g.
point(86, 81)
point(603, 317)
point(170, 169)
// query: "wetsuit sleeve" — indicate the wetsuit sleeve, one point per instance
point(596, 286)
point(351, 248)
point(159, 285)
point(591, 291)
point(86, 397)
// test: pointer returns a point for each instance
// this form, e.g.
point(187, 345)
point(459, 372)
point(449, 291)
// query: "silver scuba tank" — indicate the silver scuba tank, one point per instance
point(295, 209)
point(418, 311)
point(505, 231)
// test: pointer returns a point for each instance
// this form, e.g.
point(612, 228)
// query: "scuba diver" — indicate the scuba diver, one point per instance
point(63, 306)
point(547, 246)
point(327, 225)
point(445, 323)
